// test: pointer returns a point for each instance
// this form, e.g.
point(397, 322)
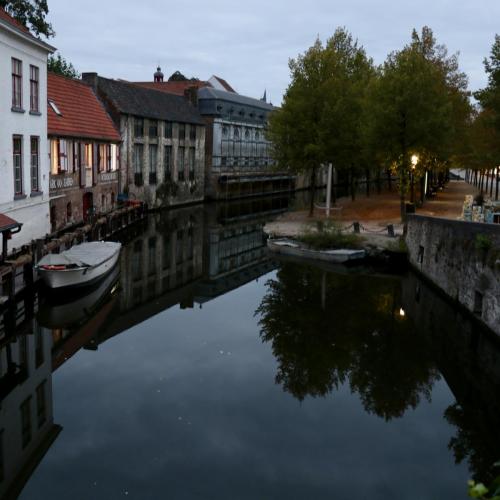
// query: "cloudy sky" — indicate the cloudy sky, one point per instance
point(249, 43)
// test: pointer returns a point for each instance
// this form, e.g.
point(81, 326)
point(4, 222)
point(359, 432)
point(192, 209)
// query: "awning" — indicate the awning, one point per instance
point(7, 224)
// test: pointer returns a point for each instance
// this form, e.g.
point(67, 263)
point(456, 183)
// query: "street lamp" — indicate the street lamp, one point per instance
point(414, 161)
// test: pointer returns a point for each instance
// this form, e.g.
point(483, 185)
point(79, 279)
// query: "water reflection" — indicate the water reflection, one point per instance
point(388, 339)
point(327, 329)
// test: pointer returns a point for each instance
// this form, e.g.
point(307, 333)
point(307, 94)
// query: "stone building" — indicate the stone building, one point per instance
point(83, 151)
point(24, 168)
point(238, 159)
point(163, 148)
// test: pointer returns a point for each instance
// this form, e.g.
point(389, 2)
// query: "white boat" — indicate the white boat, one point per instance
point(81, 265)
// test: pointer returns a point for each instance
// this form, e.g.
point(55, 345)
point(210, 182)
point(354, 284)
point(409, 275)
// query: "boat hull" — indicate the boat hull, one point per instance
point(78, 277)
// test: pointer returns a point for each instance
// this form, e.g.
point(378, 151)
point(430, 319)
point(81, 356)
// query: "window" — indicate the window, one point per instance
point(17, 148)
point(225, 131)
point(108, 158)
point(138, 127)
point(138, 156)
point(153, 159)
point(192, 132)
point(168, 130)
point(192, 157)
point(77, 156)
point(39, 354)
point(59, 157)
point(180, 165)
point(41, 410)
point(55, 108)
point(236, 133)
point(166, 251)
point(35, 162)
point(115, 157)
point(182, 131)
point(34, 89)
point(167, 162)
point(26, 422)
point(152, 256)
point(153, 129)
point(178, 247)
point(101, 157)
point(247, 134)
point(17, 84)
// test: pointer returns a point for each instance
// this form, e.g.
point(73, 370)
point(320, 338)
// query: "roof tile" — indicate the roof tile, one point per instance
point(82, 114)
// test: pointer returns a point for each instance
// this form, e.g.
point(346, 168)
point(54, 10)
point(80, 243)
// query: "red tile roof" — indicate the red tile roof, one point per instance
point(7, 223)
point(176, 88)
point(82, 114)
point(12, 21)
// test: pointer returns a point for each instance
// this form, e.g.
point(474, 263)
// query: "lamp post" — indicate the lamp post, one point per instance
point(414, 161)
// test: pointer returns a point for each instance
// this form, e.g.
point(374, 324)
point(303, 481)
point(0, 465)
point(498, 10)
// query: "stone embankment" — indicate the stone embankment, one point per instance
point(462, 259)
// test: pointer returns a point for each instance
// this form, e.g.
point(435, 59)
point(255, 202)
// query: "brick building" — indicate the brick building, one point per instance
point(83, 151)
point(163, 148)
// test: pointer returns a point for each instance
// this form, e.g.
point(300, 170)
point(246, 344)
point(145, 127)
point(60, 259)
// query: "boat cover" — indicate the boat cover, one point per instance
point(85, 254)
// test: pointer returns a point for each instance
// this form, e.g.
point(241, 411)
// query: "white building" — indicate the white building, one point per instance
point(24, 165)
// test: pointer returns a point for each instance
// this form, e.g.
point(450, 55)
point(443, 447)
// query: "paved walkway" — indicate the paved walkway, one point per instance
point(375, 212)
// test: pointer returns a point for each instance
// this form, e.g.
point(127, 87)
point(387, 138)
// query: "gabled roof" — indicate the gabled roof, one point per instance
point(220, 84)
point(134, 100)
point(81, 112)
point(6, 18)
point(177, 88)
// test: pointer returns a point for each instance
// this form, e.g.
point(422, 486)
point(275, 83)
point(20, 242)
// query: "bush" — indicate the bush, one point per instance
point(329, 236)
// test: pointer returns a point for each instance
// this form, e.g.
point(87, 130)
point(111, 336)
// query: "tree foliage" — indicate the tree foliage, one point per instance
point(57, 64)
point(30, 13)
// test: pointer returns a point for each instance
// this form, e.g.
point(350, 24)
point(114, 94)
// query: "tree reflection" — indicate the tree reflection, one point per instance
point(328, 328)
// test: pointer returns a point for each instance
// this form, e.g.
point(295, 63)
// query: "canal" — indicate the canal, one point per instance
point(201, 369)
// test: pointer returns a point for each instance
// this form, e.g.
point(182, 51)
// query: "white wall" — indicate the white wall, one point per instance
point(33, 211)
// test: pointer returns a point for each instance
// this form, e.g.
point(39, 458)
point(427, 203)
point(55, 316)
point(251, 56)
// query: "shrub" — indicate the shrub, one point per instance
point(329, 236)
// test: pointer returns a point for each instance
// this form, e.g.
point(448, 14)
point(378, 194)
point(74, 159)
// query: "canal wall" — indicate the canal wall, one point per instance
point(462, 259)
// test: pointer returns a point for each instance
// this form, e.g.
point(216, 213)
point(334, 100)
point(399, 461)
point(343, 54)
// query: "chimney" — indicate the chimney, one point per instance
point(91, 79)
point(191, 94)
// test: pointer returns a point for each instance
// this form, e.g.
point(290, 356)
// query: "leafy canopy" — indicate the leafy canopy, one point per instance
point(30, 13)
point(57, 64)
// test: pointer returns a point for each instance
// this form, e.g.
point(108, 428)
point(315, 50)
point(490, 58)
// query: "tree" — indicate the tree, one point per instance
point(30, 13)
point(415, 106)
point(57, 64)
point(320, 119)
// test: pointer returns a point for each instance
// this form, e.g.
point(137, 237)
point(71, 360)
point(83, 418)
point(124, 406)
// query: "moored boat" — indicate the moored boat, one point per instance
point(81, 265)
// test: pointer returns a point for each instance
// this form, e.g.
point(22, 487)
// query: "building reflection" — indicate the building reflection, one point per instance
point(27, 428)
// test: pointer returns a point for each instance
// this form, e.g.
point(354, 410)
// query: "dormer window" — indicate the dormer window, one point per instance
point(54, 107)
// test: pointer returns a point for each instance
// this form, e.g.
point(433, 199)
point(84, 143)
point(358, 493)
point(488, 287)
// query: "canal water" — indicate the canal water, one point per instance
point(201, 369)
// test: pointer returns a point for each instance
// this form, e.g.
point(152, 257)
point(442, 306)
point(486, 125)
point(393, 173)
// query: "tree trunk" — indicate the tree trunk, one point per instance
point(422, 189)
point(491, 183)
point(367, 182)
point(389, 179)
point(351, 178)
point(496, 188)
point(313, 191)
point(402, 190)
point(379, 187)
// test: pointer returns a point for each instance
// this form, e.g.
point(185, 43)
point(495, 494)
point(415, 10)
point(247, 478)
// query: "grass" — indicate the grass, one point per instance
point(329, 236)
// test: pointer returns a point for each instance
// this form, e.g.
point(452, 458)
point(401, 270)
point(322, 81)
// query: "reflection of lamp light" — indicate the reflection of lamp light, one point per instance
point(402, 313)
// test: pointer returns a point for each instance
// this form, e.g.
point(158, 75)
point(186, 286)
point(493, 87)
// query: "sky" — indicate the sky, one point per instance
point(249, 43)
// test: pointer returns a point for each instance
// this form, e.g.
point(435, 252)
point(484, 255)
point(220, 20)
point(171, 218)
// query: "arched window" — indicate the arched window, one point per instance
point(225, 131)
point(236, 133)
point(247, 134)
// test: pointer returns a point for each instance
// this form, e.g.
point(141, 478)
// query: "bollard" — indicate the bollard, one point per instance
point(390, 230)
point(356, 227)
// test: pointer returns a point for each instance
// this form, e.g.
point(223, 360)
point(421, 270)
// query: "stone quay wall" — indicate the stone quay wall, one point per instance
point(462, 259)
